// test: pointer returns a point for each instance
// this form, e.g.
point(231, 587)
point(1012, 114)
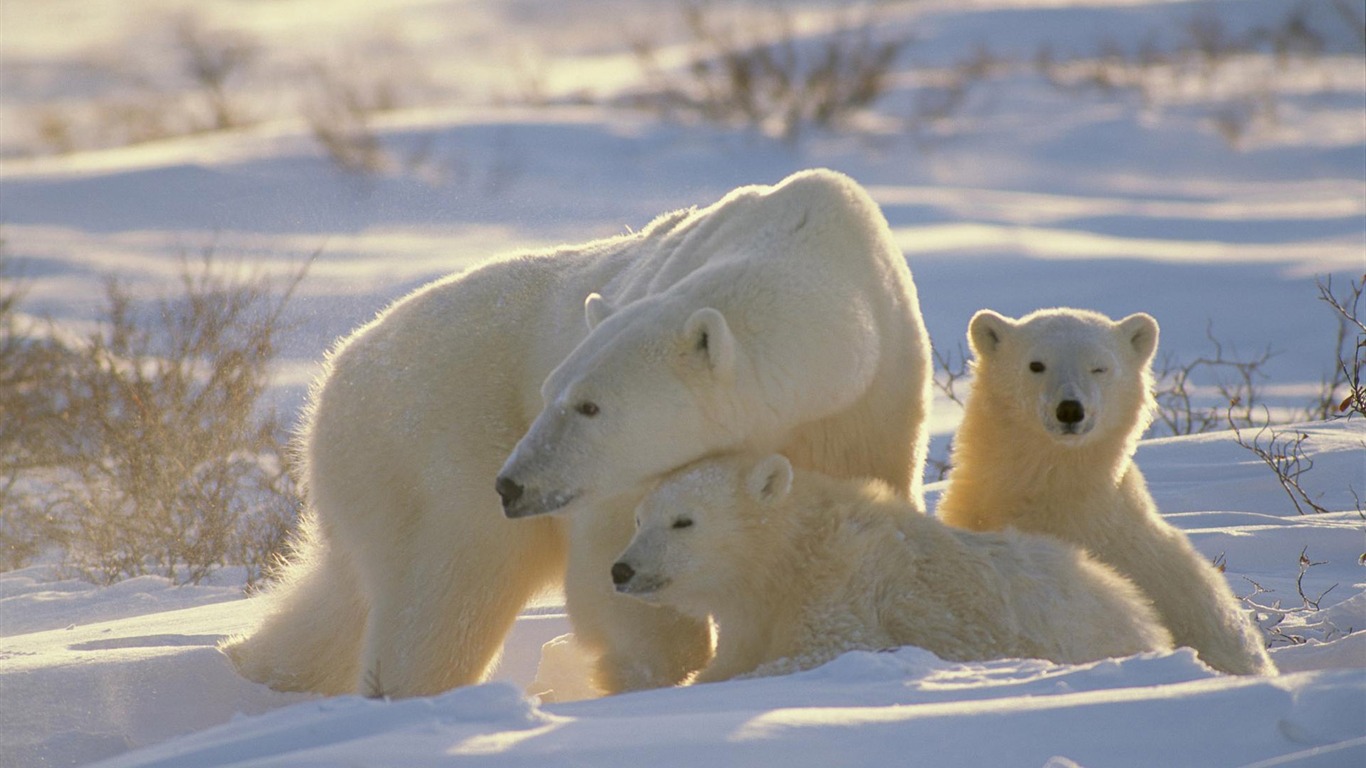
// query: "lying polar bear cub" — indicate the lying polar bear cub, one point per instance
point(797, 568)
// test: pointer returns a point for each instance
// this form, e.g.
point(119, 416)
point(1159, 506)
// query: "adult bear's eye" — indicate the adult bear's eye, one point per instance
point(1037, 367)
point(682, 522)
point(1099, 371)
point(587, 408)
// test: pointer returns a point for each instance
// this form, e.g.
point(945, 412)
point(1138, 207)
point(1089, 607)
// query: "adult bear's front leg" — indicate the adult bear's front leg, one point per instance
point(445, 587)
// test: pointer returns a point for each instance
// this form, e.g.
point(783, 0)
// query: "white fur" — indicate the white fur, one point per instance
point(796, 567)
point(1015, 464)
point(779, 317)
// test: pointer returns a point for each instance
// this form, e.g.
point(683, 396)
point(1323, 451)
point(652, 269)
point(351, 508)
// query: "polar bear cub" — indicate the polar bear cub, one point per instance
point(1059, 400)
point(797, 567)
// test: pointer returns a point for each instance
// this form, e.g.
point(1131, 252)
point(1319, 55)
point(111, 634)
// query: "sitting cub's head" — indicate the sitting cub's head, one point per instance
point(1069, 374)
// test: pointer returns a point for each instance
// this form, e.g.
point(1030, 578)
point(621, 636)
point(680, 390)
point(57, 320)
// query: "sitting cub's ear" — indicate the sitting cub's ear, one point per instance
point(1140, 331)
point(709, 336)
point(595, 309)
point(770, 480)
point(986, 331)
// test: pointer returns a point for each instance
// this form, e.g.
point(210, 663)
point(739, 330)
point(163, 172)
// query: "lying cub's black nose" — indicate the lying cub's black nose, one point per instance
point(509, 489)
point(1070, 412)
point(622, 573)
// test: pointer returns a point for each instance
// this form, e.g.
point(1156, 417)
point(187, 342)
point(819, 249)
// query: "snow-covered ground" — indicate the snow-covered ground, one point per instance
point(90, 672)
point(1025, 195)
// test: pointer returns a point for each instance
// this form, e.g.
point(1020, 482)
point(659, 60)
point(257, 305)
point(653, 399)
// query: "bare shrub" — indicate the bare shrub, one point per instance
point(211, 59)
point(145, 114)
point(55, 131)
point(1343, 392)
point(1282, 451)
point(1207, 57)
point(1233, 380)
point(143, 103)
point(1305, 564)
point(138, 110)
point(1273, 618)
point(28, 364)
point(154, 453)
point(339, 113)
point(1231, 383)
point(340, 107)
point(951, 368)
point(945, 96)
point(1284, 456)
point(763, 74)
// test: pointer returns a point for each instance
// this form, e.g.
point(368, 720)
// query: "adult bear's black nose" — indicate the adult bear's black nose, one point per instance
point(1070, 412)
point(509, 489)
point(622, 573)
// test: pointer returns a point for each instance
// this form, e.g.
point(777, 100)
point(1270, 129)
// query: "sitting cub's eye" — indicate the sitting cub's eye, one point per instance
point(587, 408)
point(1037, 367)
point(1100, 370)
point(682, 522)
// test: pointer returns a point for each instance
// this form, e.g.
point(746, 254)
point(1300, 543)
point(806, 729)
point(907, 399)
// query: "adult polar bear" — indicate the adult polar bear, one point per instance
point(779, 319)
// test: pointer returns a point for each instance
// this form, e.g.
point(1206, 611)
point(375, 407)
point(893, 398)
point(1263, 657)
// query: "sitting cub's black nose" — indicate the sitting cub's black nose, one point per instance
point(1070, 412)
point(509, 489)
point(622, 573)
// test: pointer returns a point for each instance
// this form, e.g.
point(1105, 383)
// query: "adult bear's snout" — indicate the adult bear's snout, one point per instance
point(509, 490)
point(520, 501)
point(622, 573)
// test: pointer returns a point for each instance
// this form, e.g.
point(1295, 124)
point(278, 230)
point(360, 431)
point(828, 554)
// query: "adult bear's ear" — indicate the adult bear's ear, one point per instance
point(595, 309)
point(1139, 330)
point(708, 336)
point(986, 331)
point(770, 480)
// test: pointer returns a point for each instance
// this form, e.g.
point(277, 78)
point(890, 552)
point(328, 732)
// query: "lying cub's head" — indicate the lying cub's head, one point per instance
point(697, 528)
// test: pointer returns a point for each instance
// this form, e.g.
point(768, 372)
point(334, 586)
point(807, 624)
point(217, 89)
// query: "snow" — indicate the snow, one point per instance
point(1028, 195)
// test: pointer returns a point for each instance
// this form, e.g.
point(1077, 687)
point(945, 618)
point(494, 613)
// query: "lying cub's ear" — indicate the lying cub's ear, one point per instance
point(770, 480)
point(1139, 330)
point(595, 309)
point(986, 331)
point(709, 336)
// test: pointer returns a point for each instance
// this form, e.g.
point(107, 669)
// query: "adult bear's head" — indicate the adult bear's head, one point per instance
point(654, 385)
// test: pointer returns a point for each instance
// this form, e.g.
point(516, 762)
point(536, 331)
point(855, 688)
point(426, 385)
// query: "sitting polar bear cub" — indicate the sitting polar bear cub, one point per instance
point(797, 568)
point(1059, 400)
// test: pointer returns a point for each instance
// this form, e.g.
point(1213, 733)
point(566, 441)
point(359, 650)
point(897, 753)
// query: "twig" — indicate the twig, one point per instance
point(1305, 565)
point(1285, 457)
